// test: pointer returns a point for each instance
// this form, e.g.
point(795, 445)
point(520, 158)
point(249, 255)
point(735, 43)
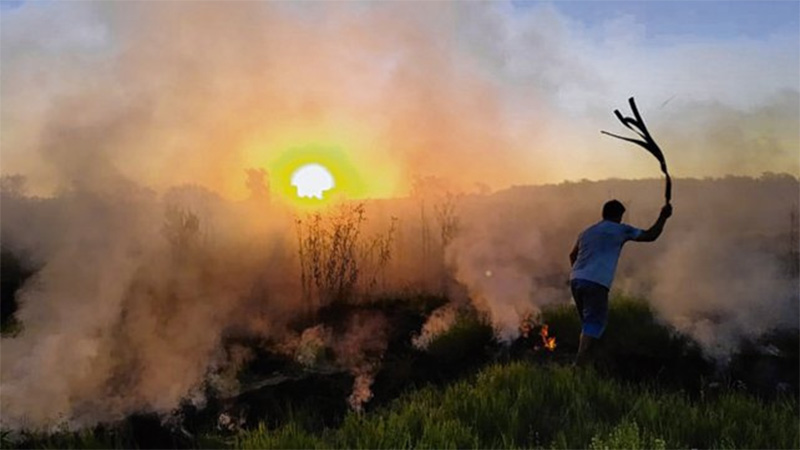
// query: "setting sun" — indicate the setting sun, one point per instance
point(311, 180)
point(314, 175)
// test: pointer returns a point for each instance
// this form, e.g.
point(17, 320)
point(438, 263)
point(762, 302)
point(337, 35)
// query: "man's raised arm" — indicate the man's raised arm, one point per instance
point(652, 233)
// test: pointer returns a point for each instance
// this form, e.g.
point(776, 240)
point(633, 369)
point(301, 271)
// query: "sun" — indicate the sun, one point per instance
point(312, 180)
point(315, 176)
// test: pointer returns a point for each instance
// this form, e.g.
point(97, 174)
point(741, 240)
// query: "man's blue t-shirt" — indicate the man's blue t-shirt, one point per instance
point(598, 251)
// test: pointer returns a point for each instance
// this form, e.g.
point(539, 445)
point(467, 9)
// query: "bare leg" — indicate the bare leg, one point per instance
point(583, 350)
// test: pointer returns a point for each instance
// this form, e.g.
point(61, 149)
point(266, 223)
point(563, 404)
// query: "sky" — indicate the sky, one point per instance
point(477, 94)
point(665, 20)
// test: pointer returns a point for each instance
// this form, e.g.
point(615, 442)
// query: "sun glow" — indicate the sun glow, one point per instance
point(359, 166)
point(314, 176)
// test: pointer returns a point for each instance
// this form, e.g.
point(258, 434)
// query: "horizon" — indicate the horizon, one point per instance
point(17, 187)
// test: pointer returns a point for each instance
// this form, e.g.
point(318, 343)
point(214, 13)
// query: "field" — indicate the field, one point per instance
point(413, 323)
point(648, 388)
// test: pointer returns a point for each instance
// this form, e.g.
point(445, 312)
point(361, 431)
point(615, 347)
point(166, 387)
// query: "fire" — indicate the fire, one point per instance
point(549, 342)
point(526, 326)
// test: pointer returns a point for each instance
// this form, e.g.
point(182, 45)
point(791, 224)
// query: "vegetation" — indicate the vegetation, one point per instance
point(526, 398)
point(14, 274)
point(521, 404)
point(337, 263)
point(649, 387)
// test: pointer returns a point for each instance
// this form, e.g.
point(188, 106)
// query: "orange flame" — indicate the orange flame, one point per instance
point(548, 341)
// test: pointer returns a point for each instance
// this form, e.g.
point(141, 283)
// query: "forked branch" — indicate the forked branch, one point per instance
point(637, 125)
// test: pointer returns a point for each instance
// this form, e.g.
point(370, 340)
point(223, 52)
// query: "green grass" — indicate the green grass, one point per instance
point(626, 435)
point(525, 405)
point(468, 335)
point(635, 346)
point(632, 328)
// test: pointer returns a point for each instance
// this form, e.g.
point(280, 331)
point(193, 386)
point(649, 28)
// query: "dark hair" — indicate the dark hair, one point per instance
point(613, 209)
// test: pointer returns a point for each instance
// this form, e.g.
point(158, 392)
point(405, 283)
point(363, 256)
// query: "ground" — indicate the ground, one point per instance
point(647, 388)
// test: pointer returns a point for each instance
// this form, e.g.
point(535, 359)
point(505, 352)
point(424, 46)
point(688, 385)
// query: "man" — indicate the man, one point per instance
point(594, 261)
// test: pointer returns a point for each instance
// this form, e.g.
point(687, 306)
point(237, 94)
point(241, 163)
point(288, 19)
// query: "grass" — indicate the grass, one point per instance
point(646, 391)
point(468, 335)
point(526, 405)
point(635, 346)
point(626, 435)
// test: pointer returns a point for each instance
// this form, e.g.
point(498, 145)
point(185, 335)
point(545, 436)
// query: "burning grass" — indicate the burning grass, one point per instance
point(451, 395)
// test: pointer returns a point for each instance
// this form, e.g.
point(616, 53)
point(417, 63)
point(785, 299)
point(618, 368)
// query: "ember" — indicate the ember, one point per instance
point(549, 342)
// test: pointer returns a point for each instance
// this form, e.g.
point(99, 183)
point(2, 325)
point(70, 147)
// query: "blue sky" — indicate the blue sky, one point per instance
point(699, 18)
point(705, 19)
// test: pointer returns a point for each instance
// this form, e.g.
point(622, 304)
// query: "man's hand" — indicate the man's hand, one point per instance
point(666, 211)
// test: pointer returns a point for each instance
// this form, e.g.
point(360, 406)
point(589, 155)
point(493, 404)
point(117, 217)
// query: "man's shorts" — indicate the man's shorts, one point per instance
point(591, 299)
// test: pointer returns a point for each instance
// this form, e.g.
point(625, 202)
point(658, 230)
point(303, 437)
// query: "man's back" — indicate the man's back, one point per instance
point(599, 248)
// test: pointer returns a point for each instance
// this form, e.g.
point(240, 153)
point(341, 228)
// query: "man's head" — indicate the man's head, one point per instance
point(613, 211)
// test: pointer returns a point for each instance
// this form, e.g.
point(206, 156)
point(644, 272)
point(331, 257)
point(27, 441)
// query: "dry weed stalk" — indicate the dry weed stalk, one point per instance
point(448, 222)
point(376, 255)
point(327, 251)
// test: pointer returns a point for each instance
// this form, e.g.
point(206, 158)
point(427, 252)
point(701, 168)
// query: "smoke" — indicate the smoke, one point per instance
point(724, 270)
point(494, 257)
point(134, 124)
point(357, 348)
point(361, 349)
point(129, 308)
point(440, 320)
point(135, 290)
point(719, 293)
point(727, 269)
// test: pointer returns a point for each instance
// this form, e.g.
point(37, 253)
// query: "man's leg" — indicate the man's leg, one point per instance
point(584, 342)
point(583, 350)
point(593, 305)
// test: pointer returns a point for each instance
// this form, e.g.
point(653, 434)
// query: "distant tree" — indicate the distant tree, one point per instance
point(181, 229)
point(13, 185)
